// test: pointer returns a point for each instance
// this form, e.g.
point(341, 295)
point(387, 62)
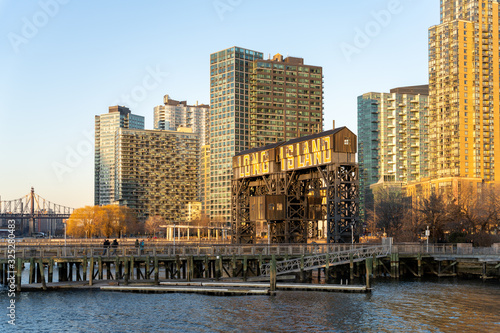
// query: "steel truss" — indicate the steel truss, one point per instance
point(329, 192)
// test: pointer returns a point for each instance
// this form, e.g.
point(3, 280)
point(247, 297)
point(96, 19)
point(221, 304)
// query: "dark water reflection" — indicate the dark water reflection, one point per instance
point(464, 306)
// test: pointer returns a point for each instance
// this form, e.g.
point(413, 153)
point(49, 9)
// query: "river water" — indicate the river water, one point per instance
point(404, 306)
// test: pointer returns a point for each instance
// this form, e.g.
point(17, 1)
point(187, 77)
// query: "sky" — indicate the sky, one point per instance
point(65, 61)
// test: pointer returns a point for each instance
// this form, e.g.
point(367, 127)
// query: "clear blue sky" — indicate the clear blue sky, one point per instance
point(62, 65)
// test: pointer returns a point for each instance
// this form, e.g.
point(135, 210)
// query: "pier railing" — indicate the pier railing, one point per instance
point(330, 258)
point(446, 249)
point(95, 250)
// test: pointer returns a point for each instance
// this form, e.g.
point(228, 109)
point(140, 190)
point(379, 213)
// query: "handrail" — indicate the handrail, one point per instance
point(320, 260)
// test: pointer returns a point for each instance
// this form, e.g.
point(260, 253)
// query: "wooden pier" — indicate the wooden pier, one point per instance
point(310, 267)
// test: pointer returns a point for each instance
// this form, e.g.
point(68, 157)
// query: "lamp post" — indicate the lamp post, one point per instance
point(174, 237)
point(427, 234)
point(65, 224)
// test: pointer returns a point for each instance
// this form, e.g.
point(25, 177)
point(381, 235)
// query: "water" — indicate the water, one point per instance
point(411, 306)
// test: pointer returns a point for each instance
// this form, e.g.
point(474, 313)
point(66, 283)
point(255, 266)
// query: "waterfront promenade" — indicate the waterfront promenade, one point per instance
point(86, 263)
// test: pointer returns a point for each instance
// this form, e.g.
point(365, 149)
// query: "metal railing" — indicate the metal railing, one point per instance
point(446, 249)
point(332, 258)
point(95, 250)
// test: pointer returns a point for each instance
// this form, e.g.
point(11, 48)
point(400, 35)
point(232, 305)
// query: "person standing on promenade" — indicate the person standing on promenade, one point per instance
point(114, 245)
point(106, 246)
point(141, 247)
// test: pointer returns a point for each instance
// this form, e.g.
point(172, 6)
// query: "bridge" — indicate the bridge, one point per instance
point(31, 210)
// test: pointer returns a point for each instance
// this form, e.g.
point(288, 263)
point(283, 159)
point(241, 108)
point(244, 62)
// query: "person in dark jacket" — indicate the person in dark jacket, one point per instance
point(114, 245)
point(106, 247)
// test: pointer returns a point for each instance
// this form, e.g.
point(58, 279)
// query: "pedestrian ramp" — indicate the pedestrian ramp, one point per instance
point(311, 262)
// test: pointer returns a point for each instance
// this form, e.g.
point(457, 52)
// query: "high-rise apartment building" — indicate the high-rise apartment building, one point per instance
point(173, 115)
point(249, 101)
point(286, 100)
point(106, 127)
point(230, 72)
point(464, 97)
point(464, 90)
point(157, 172)
point(393, 138)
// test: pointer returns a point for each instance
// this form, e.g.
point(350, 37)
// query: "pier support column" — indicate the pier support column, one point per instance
point(245, 268)
point(84, 268)
point(351, 267)
point(70, 271)
point(272, 276)
point(157, 271)
point(327, 268)
point(190, 268)
point(42, 273)
point(369, 267)
point(19, 270)
point(147, 274)
point(419, 263)
point(51, 271)
point(217, 268)
point(99, 268)
point(132, 266)
point(127, 271)
point(91, 271)
point(32, 271)
point(302, 275)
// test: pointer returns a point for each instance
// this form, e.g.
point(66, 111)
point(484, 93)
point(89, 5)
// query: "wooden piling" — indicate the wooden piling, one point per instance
point(272, 277)
point(132, 266)
point(32, 271)
point(369, 267)
point(99, 268)
point(245, 267)
point(419, 263)
point(19, 270)
point(84, 268)
point(50, 270)
point(351, 267)
point(156, 271)
point(126, 277)
point(327, 268)
point(91, 275)
point(42, 273)
point(302, 275)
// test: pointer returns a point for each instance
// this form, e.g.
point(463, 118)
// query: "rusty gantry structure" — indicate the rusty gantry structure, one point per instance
point(295, 184)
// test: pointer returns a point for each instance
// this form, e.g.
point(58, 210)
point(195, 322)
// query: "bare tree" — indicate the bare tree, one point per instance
point(153, 223)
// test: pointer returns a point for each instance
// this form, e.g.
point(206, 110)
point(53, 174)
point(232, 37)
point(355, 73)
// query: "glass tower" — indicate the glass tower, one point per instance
point(230, 71)
point(106, 127)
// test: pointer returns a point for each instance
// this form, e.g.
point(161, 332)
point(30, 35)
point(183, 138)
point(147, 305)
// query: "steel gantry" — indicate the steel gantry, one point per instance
point(292, 186)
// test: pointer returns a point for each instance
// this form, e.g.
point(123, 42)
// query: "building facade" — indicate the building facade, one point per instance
point(254, 102)
point(173, 115)
point(106, 127)
point(286, 100)
point(230, 71)
point(464, 90)
point(464, 96)
point(393, 138)
point(157, 172)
